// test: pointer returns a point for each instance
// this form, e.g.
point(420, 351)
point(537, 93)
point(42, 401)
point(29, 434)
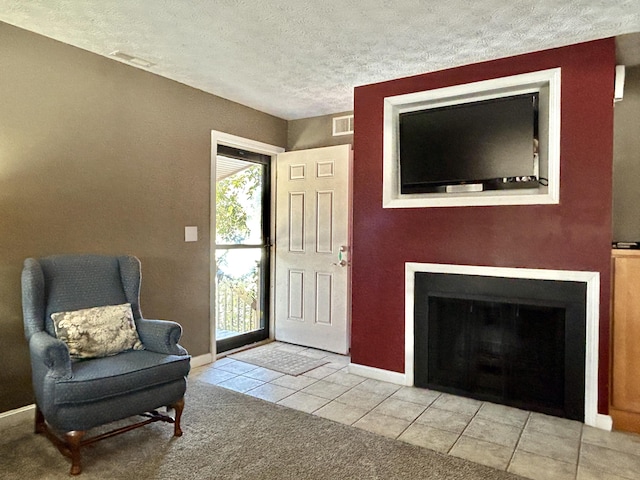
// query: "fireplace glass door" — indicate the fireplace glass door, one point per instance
point(501, 352)
point(517, 342)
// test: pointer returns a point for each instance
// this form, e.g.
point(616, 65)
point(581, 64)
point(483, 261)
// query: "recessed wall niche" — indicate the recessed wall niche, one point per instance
point(544, 84)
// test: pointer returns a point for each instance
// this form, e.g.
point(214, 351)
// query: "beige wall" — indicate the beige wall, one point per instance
point(315, 132)
point(626, 161)
point(97, 156)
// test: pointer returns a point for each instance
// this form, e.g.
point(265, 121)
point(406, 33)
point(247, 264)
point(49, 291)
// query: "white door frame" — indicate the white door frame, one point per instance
point(221, 138)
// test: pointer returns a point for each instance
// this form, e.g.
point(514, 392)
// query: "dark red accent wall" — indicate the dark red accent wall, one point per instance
point(573, 235)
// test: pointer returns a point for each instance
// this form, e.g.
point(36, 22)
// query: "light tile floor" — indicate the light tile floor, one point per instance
point(530, 444)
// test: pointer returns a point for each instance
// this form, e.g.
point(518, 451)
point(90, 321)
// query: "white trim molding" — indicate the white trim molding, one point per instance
point(221, 138)
point(201, 360)
point(377, 374)
point(14, 417)
point(603, 422)
point(545, 82)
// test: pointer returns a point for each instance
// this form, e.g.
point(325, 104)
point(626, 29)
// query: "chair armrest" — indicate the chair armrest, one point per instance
point(160, 336)
point(52, 354)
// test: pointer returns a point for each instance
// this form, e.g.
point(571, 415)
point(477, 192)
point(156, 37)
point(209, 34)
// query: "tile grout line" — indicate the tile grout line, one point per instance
point(412, 422)
point(296, 390)
point(368, 411)
point(329, 401)
point(579, 451)
point(336, 400)
point(455, 443)
point(463, 430)
point(373, 408)
point(515, 448)
point(604, 448)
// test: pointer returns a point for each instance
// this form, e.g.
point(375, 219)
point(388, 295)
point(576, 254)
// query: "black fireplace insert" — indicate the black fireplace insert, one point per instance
point(518, 342)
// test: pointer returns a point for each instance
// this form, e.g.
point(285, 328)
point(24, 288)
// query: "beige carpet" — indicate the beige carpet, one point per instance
point(283, 362)
point(228, 435)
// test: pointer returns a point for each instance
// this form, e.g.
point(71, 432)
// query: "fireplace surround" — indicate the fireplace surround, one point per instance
point(590, 279)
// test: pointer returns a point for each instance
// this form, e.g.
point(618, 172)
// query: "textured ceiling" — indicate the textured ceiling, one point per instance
point(298, 59)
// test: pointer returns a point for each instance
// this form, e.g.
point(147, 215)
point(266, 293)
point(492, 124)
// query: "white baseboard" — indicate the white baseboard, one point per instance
point(201, 360)
point(378, 374)
point(12, 418)
point(604, 422)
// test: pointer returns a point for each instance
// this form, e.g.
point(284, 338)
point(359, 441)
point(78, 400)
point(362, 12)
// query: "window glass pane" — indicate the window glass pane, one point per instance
point(239, 193)
point(237, 291)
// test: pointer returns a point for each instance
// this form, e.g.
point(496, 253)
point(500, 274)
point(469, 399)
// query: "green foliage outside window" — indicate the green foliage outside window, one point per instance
point(236, 295)
point(231, 216)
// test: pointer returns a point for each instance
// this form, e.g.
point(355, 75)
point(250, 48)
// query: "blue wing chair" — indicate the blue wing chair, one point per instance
point(74, 395)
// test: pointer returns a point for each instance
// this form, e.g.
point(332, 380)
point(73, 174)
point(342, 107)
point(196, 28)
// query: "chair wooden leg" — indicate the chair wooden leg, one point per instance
point(74, 440)
point(178, 407)
point(40, 426)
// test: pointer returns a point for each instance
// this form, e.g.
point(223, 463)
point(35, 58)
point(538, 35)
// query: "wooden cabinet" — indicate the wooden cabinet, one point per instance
point(625, 338)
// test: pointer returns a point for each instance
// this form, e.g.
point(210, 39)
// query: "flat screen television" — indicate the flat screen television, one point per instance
point(492, 143)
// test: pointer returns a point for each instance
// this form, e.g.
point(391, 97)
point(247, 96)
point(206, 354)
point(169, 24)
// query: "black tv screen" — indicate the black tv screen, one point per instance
point(488, 141)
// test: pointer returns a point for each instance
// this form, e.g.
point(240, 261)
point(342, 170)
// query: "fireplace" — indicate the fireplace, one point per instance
point(478, 332)
point(518, 342)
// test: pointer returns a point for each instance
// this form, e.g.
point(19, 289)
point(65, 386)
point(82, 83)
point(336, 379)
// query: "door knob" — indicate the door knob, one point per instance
point(342, 262)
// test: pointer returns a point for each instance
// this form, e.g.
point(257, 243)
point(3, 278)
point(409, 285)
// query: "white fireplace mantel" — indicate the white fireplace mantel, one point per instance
point(592, 280)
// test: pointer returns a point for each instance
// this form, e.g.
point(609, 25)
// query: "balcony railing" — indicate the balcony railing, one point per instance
point(236, 308)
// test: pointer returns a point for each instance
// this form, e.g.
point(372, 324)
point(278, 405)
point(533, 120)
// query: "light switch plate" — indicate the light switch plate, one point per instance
point(190, 234)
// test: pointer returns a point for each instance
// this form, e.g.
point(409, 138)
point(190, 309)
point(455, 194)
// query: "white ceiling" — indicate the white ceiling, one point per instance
point(297, 58)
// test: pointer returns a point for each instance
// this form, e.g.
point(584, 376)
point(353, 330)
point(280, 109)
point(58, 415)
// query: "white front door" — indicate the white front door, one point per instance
point(312, 306)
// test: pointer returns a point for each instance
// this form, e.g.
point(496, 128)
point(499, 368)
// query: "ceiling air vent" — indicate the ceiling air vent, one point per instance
point(343, 125)
point(140, 62)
